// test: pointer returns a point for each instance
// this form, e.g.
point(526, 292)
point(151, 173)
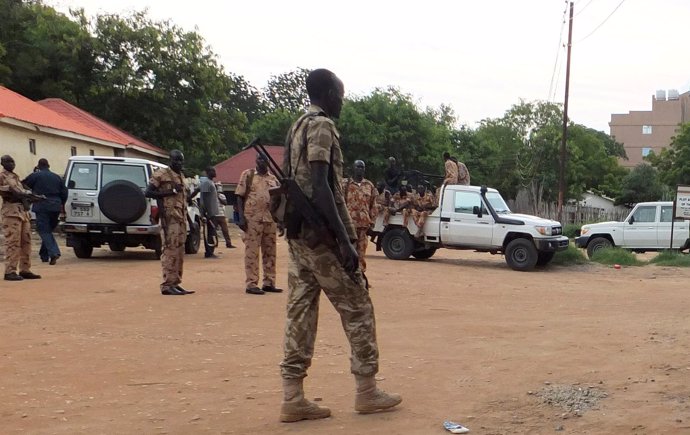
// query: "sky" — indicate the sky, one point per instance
point(478, 56)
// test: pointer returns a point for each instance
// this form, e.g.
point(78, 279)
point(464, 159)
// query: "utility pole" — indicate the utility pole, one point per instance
point(561, 169)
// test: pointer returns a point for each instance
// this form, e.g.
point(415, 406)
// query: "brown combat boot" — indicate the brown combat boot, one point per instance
point(370, 399)
point(295, 407)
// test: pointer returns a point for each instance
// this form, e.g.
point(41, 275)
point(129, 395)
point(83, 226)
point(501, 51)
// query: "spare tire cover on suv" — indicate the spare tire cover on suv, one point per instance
point(122, 201)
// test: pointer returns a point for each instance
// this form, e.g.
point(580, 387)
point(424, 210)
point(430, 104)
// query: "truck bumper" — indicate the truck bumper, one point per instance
point(552, 245)
point(581, 242)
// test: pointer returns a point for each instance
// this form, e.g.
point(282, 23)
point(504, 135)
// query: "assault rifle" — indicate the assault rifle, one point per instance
point(300, 209)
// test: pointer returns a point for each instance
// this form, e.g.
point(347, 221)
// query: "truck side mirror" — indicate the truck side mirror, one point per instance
point(632, 220)
point(477, 210)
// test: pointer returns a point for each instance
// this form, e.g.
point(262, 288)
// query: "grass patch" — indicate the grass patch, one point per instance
point(572, 255)
point(571, 230)
point(671, 258)
point(616, 256)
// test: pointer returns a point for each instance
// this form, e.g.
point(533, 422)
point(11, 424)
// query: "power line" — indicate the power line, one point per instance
point(602, 23)
point(558, 52)
point(584, 7)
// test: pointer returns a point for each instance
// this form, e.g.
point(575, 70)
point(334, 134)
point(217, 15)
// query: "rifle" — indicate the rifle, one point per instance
point(300, 208)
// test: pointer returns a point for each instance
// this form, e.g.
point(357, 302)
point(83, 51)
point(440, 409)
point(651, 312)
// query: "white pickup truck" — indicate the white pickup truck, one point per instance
point(474, 218)
point(647, 228)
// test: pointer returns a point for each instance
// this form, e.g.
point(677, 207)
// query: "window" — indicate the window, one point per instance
point(645, 214)
point(666, 213)
point(91, 153)
point(646, 129)
point(135, 174)
point(646, 151)
point(118, 152)
point(466, 201)
point(84, 176)
point(73, 151)
point(32, 146)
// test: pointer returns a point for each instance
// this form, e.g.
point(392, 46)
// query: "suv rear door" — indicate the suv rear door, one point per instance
point(135, 173)
point(83, 185)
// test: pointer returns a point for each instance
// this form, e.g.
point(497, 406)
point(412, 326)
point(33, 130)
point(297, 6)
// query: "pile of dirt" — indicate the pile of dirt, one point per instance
point(572, 398)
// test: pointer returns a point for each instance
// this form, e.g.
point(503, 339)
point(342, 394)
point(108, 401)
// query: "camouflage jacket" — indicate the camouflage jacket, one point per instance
point(361, 201)
point(9, 186)
point(175, 206)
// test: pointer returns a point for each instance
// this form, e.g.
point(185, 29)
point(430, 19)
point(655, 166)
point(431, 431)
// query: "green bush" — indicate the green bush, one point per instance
point(571, 230)
point(671, 258)
point(572, 255)
point(616, 256)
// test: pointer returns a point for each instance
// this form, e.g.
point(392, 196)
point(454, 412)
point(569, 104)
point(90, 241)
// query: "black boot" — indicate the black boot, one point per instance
point(29, 275)
point(13, 277)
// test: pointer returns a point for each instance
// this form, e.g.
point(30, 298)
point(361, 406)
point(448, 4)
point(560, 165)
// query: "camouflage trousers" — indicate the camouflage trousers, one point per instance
point(260, 236)
point(362, 243)
point(310, 271)
point(17, 233)
point(174, 236)
point(419, 218)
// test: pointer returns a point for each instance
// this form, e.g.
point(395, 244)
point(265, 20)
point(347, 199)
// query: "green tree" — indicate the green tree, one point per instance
point(288, 91)
point(165, 85)
point(673, 163)
point(641, 184)
point(44, 53)
point(272, 128)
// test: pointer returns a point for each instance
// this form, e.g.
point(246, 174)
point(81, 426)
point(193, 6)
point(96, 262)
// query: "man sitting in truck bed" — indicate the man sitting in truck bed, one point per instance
point(424, 204)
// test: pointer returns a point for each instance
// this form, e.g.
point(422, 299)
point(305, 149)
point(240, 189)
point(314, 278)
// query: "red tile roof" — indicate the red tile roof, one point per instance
point(60, 115)
point(93, 122)
point(229, 171)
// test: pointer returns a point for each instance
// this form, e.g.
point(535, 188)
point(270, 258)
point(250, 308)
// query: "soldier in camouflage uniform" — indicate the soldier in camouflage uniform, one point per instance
point(400, 202)
point(425, 203)
point(360, 198)
point(167, 186)
point(253, 206)
point(451, 169)
point(315, 160)
point(463, 174)
point(16, 224)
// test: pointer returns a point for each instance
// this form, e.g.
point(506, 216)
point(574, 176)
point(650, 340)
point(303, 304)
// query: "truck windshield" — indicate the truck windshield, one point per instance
point(497, 202)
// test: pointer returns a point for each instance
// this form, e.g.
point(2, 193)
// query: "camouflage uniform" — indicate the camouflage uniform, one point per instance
point(451, 176)
point(463, 174)
point(16, 224)
point(423, 204)
point(174, 224)
point(311, 270)
point(360, 198)
point(402, 204)
point(261, 230)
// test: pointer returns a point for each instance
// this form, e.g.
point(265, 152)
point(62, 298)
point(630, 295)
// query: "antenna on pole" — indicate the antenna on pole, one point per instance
point(561, 166)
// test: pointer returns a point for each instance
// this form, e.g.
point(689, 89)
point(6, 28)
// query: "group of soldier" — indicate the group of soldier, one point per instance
point(349, 208)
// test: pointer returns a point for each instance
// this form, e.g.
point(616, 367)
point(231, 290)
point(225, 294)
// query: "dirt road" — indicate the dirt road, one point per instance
point(94, 348)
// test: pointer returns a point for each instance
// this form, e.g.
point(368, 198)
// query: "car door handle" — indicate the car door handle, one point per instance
point(483, 223)
point(90, 193)
point(457, 220)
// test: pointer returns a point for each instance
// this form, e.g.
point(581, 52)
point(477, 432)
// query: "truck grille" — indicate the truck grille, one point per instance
point(557, 231)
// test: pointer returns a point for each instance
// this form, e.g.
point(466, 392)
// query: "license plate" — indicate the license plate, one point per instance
point(82, 211)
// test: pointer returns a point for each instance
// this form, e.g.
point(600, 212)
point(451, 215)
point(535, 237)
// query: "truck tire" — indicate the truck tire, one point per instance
point(521, 255)
point(193, 242)
point(82, 248)
point(597, 244)
point(544, 258)
point(122, 201)
point(424, 254)
point(397, 244)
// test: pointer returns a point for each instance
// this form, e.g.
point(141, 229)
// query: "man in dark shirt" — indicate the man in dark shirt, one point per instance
point(45, 182)
point(393, 176)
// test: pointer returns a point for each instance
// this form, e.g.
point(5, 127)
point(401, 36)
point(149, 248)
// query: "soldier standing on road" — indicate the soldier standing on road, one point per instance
point(16, 224)
point(47, 183)
point(451, 169)
point(167, 186)
point(360, 198)
point(316, 160)
point(254, 208)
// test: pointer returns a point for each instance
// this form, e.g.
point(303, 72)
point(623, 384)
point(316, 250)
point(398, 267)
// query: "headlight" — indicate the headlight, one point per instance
point(584, 231)
point(544, 231)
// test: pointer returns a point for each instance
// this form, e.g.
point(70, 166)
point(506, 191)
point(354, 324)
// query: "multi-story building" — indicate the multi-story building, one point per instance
point(641, 132)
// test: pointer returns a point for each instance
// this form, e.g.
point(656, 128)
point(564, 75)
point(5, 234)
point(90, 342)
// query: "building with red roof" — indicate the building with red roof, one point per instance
point(55, 130)
point(228, 172)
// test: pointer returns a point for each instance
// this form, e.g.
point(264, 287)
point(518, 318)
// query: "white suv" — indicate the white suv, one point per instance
point(106, 205)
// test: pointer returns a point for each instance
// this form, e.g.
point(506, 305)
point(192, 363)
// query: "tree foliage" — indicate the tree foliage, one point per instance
point(641, 184)
point(288, 91)
point(673, 163)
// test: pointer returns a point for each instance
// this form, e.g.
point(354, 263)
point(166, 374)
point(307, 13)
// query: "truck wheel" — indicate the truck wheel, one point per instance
point(82, 248)
point(521, 254)
point(597, 244)
point(397, 244)
point(424, 254)
point(544, 258)
point(191, 245)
